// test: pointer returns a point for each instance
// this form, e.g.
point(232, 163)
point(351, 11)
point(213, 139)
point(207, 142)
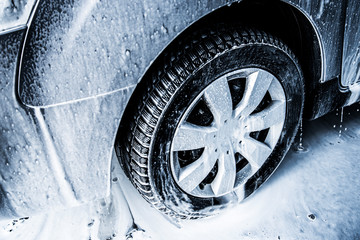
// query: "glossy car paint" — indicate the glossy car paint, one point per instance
point(79, 63)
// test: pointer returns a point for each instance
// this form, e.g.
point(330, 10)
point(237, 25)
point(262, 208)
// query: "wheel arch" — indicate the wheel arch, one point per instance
point(278, 18)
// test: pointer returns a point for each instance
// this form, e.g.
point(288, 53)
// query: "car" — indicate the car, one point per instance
point(200, 100)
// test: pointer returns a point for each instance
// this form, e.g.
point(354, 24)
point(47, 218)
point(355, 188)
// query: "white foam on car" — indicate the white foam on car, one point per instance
point(55, 163)
point(14, 13)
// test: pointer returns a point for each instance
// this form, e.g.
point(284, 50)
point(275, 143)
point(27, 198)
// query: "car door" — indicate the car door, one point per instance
point(351, 51)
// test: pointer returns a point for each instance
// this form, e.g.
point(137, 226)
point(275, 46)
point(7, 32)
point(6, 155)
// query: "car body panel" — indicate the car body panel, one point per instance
point(22, 155)
point(351, 52)
point(104, 46)
point(107, 46)
point(15, 14)
point(56, 156)
point(80, 63)
point(323, 14)
point(350, 77)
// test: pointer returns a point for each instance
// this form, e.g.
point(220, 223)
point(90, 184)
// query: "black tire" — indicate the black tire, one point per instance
point(147, 133)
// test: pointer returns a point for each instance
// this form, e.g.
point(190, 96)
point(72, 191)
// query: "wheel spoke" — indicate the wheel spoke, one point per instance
point(226, 175)
point(255, 152)
point(257, 84)
point(231, 132)
point(270, 116)
point(218, 98)
point(190, 136)
point(192, 175)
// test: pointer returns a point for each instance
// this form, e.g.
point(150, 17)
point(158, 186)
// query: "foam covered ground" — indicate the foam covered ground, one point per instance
point(313, 195)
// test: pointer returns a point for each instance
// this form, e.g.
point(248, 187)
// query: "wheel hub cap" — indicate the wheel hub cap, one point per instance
point(246, 114)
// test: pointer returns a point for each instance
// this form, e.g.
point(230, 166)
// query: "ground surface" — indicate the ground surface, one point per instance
point(313, 195)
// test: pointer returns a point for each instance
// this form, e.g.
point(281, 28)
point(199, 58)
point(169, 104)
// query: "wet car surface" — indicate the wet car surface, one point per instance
point(199, 116)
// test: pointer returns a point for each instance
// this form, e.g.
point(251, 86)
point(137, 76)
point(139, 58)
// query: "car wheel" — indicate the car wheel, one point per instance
point(214, 122)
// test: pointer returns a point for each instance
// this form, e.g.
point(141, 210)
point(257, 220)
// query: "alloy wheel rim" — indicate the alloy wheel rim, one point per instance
point(228, 132)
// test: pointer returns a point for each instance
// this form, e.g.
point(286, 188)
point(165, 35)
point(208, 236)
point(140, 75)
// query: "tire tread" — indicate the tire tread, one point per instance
point(178, 64)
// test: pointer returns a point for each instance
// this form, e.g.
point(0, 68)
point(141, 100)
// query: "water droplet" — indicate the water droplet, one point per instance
point(164, 29)
point(341, 120)
point(127, 53)
point(300, 148)
point(90, 224)
point(312, 217)
point(94, 19)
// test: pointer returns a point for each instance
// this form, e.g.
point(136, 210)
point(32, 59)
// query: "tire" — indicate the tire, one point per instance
point(208, 110)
